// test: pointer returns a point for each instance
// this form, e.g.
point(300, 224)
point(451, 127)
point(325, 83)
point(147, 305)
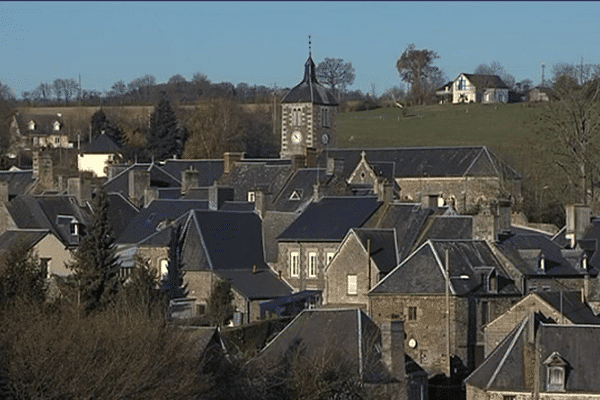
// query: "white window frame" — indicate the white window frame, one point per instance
point(352, 285)
point(294, 264)
point(325, 117)
point(312, 264)
point(330, 255)
point(251, 197)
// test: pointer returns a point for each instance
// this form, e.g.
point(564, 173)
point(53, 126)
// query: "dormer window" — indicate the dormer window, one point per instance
point(251, 196)
point(56, 126)
point(542, 263)
point(74, 228)
point(32, 125)
point(556, 367)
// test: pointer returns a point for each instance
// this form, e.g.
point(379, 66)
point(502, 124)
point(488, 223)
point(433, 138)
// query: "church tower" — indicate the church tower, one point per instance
point(308, 115)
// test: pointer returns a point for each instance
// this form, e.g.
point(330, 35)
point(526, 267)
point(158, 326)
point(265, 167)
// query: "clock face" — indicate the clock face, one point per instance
point(412, 343)
point(325, 139)
point(296, 137)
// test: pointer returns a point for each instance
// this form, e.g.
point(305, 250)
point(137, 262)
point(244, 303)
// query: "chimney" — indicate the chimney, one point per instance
point(81, 188)
point(298, 161)
point(335, 166)
point(386, 193)
point(229, 160)
point(431, 201)
point(504, 215)
point(114, 170)
point(316, 195)
point(42, 171)
point(139, 181)
point(578, 220)
point(392, 343)
point(218, 195)
point(150, 193)
point(311, 157)
point(189, 179)
point(260, 203)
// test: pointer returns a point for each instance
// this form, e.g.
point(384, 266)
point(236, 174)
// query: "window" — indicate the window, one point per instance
point(296, 116)
point(312, 265)
point(32, 125)
point(412, 313)
point(74, 228)
point(556, 366)
point(56, 126)
point(352, 285)
point(251, 196)
point(330, 257)
point(325, 117)
point(163, 267)
point(509, 397)
point(57, 140)
point(294, 264)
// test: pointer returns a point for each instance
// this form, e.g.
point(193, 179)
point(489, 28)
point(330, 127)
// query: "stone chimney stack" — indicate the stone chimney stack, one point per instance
point(298, 161)
point(260, 203)
point(189, 179)
point(139, 181)
point(43, 171)
point(504, 216)
point(387, 193)
point(229, 160)
point(311, 157)
point(81, 188)
point(217, 195)
point(579, 219)
point(151, 193)
point(392, 343)
point(431, 201)
point(335, 166)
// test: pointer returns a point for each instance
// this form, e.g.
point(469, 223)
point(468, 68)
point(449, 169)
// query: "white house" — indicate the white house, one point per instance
point(98, 154)
point(471, 88)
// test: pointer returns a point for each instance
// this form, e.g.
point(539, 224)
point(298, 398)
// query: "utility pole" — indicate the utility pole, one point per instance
point(543, 74)
point(447, 267)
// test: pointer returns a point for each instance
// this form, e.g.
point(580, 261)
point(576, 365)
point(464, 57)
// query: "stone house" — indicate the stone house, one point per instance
point(363, 258)
point(35, 131)
point(540, 360)
point(473, 88)
point(462, 177)
point(564, 308)
point(445, 292)
point(309, 244)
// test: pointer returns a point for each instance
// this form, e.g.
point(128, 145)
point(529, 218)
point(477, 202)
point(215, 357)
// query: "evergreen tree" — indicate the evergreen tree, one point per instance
point(23, 277)
point(165, 138)
point(96, 266)
point(172, 283)
point(220, 308)
point(141, 292)
point(99, 123)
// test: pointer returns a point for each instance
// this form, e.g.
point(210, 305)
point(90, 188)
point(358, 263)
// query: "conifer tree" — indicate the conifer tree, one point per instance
point(99, 124)
point(220, 308)
point(165, 138)
point(23, 277)
point(96, 266)
point(172, 283)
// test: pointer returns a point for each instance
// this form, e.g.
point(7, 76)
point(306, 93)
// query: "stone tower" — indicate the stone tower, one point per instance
point(308, 116)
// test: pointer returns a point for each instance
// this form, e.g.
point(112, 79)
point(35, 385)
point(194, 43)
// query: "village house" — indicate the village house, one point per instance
point(98, 155)
point(35, 131)
point(474, 88)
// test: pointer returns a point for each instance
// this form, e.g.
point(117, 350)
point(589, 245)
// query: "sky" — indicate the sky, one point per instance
point(266, 43)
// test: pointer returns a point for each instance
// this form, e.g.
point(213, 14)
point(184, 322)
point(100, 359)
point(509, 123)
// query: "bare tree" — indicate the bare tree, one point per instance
point(416, 67)
point(336, 74)
point(495, 68)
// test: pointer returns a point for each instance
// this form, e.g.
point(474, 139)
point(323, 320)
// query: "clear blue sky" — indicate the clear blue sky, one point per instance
point(266, 43)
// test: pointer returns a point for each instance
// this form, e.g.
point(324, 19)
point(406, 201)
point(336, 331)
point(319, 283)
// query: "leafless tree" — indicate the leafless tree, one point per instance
point(416, 68)
point(336, 74)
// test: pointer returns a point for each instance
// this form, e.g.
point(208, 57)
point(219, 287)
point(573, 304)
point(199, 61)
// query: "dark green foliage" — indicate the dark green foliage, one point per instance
point(100, 124)
point(259, 140)
point(96, 269)
point(165, 138)
point(172, 284)
point(23, 277)
point(220, 308)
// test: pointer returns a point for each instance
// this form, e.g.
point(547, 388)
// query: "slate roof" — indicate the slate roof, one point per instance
point(571, 305)
point(158, 178)
point(248, 176)
point(19, 182)
point(508, 365)
point(223, 241)
point(486, 81)
point(524, 252)
point(245, 206)
point(310, 90)
point(44, 123)
point(330, 218)
point(25, 237)
point(274, 223)
point(383, 246)
point(209, 171)
point(426, 161)
point(120, 213)
point(102, 144)
point(424, 272)
point(148, 219)
point(446, 227)
point(348, 336)
point(299, 189)
point(42, 212)
point(260, 286)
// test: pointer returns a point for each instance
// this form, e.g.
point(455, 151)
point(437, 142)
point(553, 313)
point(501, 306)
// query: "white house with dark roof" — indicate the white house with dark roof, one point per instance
point(473, 88)
point(98, 155)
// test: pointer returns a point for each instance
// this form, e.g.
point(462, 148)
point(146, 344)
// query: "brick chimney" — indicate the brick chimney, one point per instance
point(139, 181)
point(578, 220)
point(229, 160)
point(392, 343)
point(189, 179)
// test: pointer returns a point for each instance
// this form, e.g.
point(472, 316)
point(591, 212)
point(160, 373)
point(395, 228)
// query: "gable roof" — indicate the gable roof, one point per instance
point(18, 182)
point(158, 178)
point(223, 241)
point(262, 285)
point(298, 191)
point(247, 176)
point(509, 364)
point(44, 123)
point(310, 90)
point(330, 218)
point(382, 244)
point(148, 219)
point(424, 271)
point(209, 171)
point(102, 144)
point(348, 336)
point(486, 81)
point(571, 305)
point(120, 213)
point(25, 237)
point(418, 162)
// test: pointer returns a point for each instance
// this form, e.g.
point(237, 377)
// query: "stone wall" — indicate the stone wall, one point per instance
point(303, 281)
